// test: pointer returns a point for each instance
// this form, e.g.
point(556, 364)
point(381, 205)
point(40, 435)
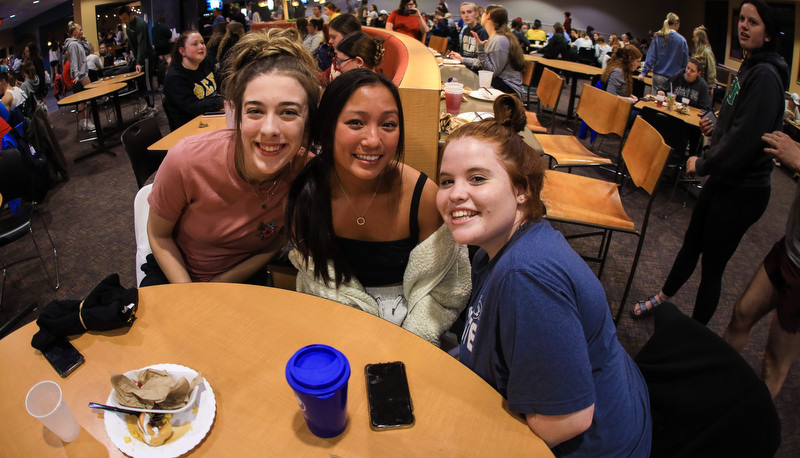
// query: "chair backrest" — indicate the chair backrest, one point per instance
point(605, 113)
point(136, 139)
point(15, 180)
point(672, 129)
point(586, 56)
point(527, 74)
point(645, 155)
point(141, 213)
point(549, 89)
point(438, 43)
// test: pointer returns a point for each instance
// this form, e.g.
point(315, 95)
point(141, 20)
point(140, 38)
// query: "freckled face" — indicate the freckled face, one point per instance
point(476, 198)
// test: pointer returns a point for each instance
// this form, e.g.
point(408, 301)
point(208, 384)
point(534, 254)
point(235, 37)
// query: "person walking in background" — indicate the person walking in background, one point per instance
point(139, 43)
point(218, 18)
point(667, 55)
point(567, 22)
point(738, 188)
point(77, 48)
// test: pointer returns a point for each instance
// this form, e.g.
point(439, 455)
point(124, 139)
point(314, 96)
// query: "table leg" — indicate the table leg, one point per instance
point(118, 111)
point(101, 147)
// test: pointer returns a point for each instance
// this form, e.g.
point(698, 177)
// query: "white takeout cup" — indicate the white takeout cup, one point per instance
point(485, 78)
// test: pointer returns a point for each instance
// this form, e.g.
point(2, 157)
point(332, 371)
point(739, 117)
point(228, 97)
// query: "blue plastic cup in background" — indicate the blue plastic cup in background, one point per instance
point(318, 374)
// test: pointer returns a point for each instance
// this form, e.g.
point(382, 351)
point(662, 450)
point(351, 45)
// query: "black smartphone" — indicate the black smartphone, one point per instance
point(409, 12)
point(712, 118)
point(388, 395)
point(214, 113)
point(63, 357)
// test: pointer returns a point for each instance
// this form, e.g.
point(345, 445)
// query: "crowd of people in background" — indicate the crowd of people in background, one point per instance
point(342, 158)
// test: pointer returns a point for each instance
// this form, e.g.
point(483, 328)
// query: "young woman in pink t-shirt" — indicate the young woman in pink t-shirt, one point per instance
point(216, 209)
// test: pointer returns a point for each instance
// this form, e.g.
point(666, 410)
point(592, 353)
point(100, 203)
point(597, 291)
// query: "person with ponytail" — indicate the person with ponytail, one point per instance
point(501, 53)
point(364, 225)
point(538, 328)
point(359, 50)
point(217, 204)
point(704, 53)
point(617, 78)
point(667, 55)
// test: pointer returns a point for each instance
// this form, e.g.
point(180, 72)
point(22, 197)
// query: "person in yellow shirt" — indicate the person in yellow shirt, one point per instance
point(536, 33)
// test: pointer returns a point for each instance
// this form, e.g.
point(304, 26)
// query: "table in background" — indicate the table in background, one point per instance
point(573, 69)
point(125, 77)
point(469, 79)
point(91, 96)
point(692, 118)
point(198, 125)
point(240, 337)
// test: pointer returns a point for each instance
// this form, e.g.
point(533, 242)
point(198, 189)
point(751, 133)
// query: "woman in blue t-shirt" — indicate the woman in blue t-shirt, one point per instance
point(539, 328)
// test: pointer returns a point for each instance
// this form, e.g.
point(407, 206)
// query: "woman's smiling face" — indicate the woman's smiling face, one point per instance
point(476, 198)
point(367, 133)
point(274, 115)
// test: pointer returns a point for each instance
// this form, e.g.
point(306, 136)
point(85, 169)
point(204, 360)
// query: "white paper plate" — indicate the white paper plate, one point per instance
point(482, 94)
point(201, 420)
point(473, 116)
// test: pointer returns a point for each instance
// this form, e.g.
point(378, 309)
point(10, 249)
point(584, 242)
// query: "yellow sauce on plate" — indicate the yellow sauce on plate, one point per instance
point(177, 431)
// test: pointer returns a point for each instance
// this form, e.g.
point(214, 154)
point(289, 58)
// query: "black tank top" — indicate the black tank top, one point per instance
point(384, 263)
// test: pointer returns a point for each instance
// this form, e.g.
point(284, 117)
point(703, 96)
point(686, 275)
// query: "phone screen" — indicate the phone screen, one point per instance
point(63, 357)
point(710, 116)
point(389, 398)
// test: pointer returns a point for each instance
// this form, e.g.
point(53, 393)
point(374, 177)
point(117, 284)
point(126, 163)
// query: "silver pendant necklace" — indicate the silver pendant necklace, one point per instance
point(360, 220)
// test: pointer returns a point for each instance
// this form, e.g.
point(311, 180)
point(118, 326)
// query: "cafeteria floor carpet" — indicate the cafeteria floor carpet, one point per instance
point(91, 221)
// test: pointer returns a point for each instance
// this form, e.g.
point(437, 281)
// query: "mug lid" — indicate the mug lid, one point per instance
point(317, 367)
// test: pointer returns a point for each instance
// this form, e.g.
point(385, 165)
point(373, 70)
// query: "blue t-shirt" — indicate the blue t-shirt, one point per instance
point(540, 332)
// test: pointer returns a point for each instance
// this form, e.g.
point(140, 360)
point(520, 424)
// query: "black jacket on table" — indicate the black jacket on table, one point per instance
point(190, 93)
point(752, 106)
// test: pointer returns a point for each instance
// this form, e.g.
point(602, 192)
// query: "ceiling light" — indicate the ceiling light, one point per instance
point(12, 16)
point(35, 1)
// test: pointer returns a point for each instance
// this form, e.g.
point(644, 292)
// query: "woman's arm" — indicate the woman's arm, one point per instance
point(390, 20)
point(165, 250)
point(555, 429)
point(423, 26)
point(247, 268)
point(494, 56)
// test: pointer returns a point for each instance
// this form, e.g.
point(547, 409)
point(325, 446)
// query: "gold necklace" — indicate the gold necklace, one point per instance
point(360, 220)
point(269, 191)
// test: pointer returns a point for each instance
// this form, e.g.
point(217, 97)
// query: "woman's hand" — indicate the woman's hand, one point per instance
point(706, 127)
point(783, 149)
point(478, 39)
point(691, 165)
point(455, 56)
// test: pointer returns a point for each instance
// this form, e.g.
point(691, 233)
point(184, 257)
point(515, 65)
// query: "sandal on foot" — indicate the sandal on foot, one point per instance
point(644, 309)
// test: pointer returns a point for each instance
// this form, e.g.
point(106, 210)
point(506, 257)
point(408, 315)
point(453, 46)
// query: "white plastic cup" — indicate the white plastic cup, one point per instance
point(452, 97)
point(46, 403)
point(485, 78)
point(660, 100)
point(685, 101)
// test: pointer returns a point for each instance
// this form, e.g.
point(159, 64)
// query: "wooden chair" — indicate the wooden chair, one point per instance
point(438, 43)
point(549, 93)
point(604, 113)
point(596, 203)
point(527, 80)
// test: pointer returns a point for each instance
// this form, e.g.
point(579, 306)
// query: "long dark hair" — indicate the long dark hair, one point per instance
point(499, 16)
point(309, 220)
point(770, 24)
point(345, 24)
point(359, 44)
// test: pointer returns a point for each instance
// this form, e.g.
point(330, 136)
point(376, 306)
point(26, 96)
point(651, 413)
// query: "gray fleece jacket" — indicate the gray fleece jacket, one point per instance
point(76, 52)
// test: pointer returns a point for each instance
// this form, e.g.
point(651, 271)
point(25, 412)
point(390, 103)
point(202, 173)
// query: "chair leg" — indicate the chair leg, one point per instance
point(41, 259)
point(607, 240)
point(631, 275)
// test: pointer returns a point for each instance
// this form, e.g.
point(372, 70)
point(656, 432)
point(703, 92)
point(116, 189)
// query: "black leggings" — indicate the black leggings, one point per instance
point(721, 216)
point(153, 275)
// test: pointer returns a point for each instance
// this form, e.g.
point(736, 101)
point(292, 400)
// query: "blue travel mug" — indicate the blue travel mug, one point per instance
point(318, 374)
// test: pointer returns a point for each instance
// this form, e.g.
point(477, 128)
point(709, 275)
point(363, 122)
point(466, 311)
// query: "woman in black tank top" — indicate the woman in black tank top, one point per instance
point(357, 214)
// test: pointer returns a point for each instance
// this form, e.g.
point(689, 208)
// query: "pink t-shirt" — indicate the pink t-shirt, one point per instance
point(220, 219)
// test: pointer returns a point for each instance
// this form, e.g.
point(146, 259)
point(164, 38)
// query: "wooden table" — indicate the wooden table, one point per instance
point(198, 125)
point(125, 77)
point(470, 79)
point(573, 69)
point(692, 118)
point(240, 337)
point(91, 96)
